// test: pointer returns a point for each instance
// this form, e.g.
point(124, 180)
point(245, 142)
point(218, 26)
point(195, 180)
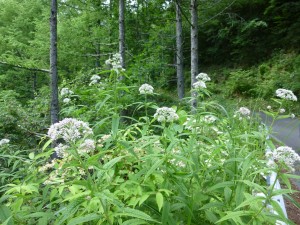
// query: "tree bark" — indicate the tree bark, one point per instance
point(122, 31)
point(53, 63)
point(194, 51)
point(179, 52)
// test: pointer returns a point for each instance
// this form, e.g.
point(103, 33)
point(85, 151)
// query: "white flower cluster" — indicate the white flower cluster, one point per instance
point(66, 92)
point(190, 124)
point(146, 89)
point(60, 150)
point(199, 84)
point(87, 146)
point(243, 112)
point(115, 62)
point(4, 141)
point(281, 110)
point(166, 114)
point(284, 154)
point(94, 80)
point(70, 130)
point(209, 119)
point(66, 100)
point(286, 94)
point(201, 79)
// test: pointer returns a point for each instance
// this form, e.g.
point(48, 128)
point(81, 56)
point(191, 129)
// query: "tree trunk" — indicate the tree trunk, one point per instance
point(194, 51)
point(53, 63)
point(179, 52)
point(122, 32)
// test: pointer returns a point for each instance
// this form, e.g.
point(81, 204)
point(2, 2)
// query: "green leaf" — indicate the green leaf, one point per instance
point(83, 219)
point(31, 155)
point(235, 215)
point(5, 214)
point(153, 168)
point(135, 213)
point(221, 185)
point(211, 216)
point(46, 144)
point(112, 162)
point(159, 200)
point(115, 125)
point(134, 222)
point(143, 198)
point(8, 221)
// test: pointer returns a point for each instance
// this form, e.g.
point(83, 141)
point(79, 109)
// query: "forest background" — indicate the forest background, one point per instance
point(249, 48)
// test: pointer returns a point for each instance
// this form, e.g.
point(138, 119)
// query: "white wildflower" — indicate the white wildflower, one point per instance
point(87, 146)
point(244, 111)
point(286, 94)
point(70, 130)
point(66, 100)
point(209, 119)
point(146, 89)
point(199, 84)
point(293, 116)
point(4, 141)
point(94, 80)
point(166, 114)
point(286, 155)
point(269, 107)
point(115, 62)
point(60, 150)
point(66, 91)
point(281, 110)
point(203, 77)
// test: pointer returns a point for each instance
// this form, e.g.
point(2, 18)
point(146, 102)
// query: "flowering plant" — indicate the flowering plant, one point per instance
point(165, 114)
point(146, 89)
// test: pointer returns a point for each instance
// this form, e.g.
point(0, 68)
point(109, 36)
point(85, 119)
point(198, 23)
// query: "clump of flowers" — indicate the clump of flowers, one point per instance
point(243, 112)
point(209, 119)
point(203, 77)
point(66, 92)
point(286, 94)
point(115, 62)
point(293, 116)
point(87, 146)
point(199, 84)
point(60, 150)
point(281, 110)
point(70, 130)
point(4, 141)
point(269, 107)
point(146, 89)
point(166, 114)
point(285, 155)
point(66, 100)
point(94, 80)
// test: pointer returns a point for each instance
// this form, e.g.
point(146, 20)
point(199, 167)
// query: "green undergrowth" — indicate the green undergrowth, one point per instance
point(124, 163)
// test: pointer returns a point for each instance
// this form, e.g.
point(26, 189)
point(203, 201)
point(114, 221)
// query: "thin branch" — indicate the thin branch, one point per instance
point(187, 19)
point(24, 67)
point(218, 13)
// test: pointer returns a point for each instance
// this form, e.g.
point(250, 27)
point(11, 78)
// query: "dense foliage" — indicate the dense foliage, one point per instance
point(123, 153)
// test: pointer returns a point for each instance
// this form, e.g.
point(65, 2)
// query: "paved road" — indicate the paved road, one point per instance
point(285, 130)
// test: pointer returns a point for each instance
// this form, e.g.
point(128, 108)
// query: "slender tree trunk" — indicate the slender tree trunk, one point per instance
point(34, 84)
point(97, 50)
point(179, 52)
point(53, 63)
point(122, 31)
point(194, 51)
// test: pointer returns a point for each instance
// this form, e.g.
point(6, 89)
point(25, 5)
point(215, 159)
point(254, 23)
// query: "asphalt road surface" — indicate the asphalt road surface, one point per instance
point(285, 130)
